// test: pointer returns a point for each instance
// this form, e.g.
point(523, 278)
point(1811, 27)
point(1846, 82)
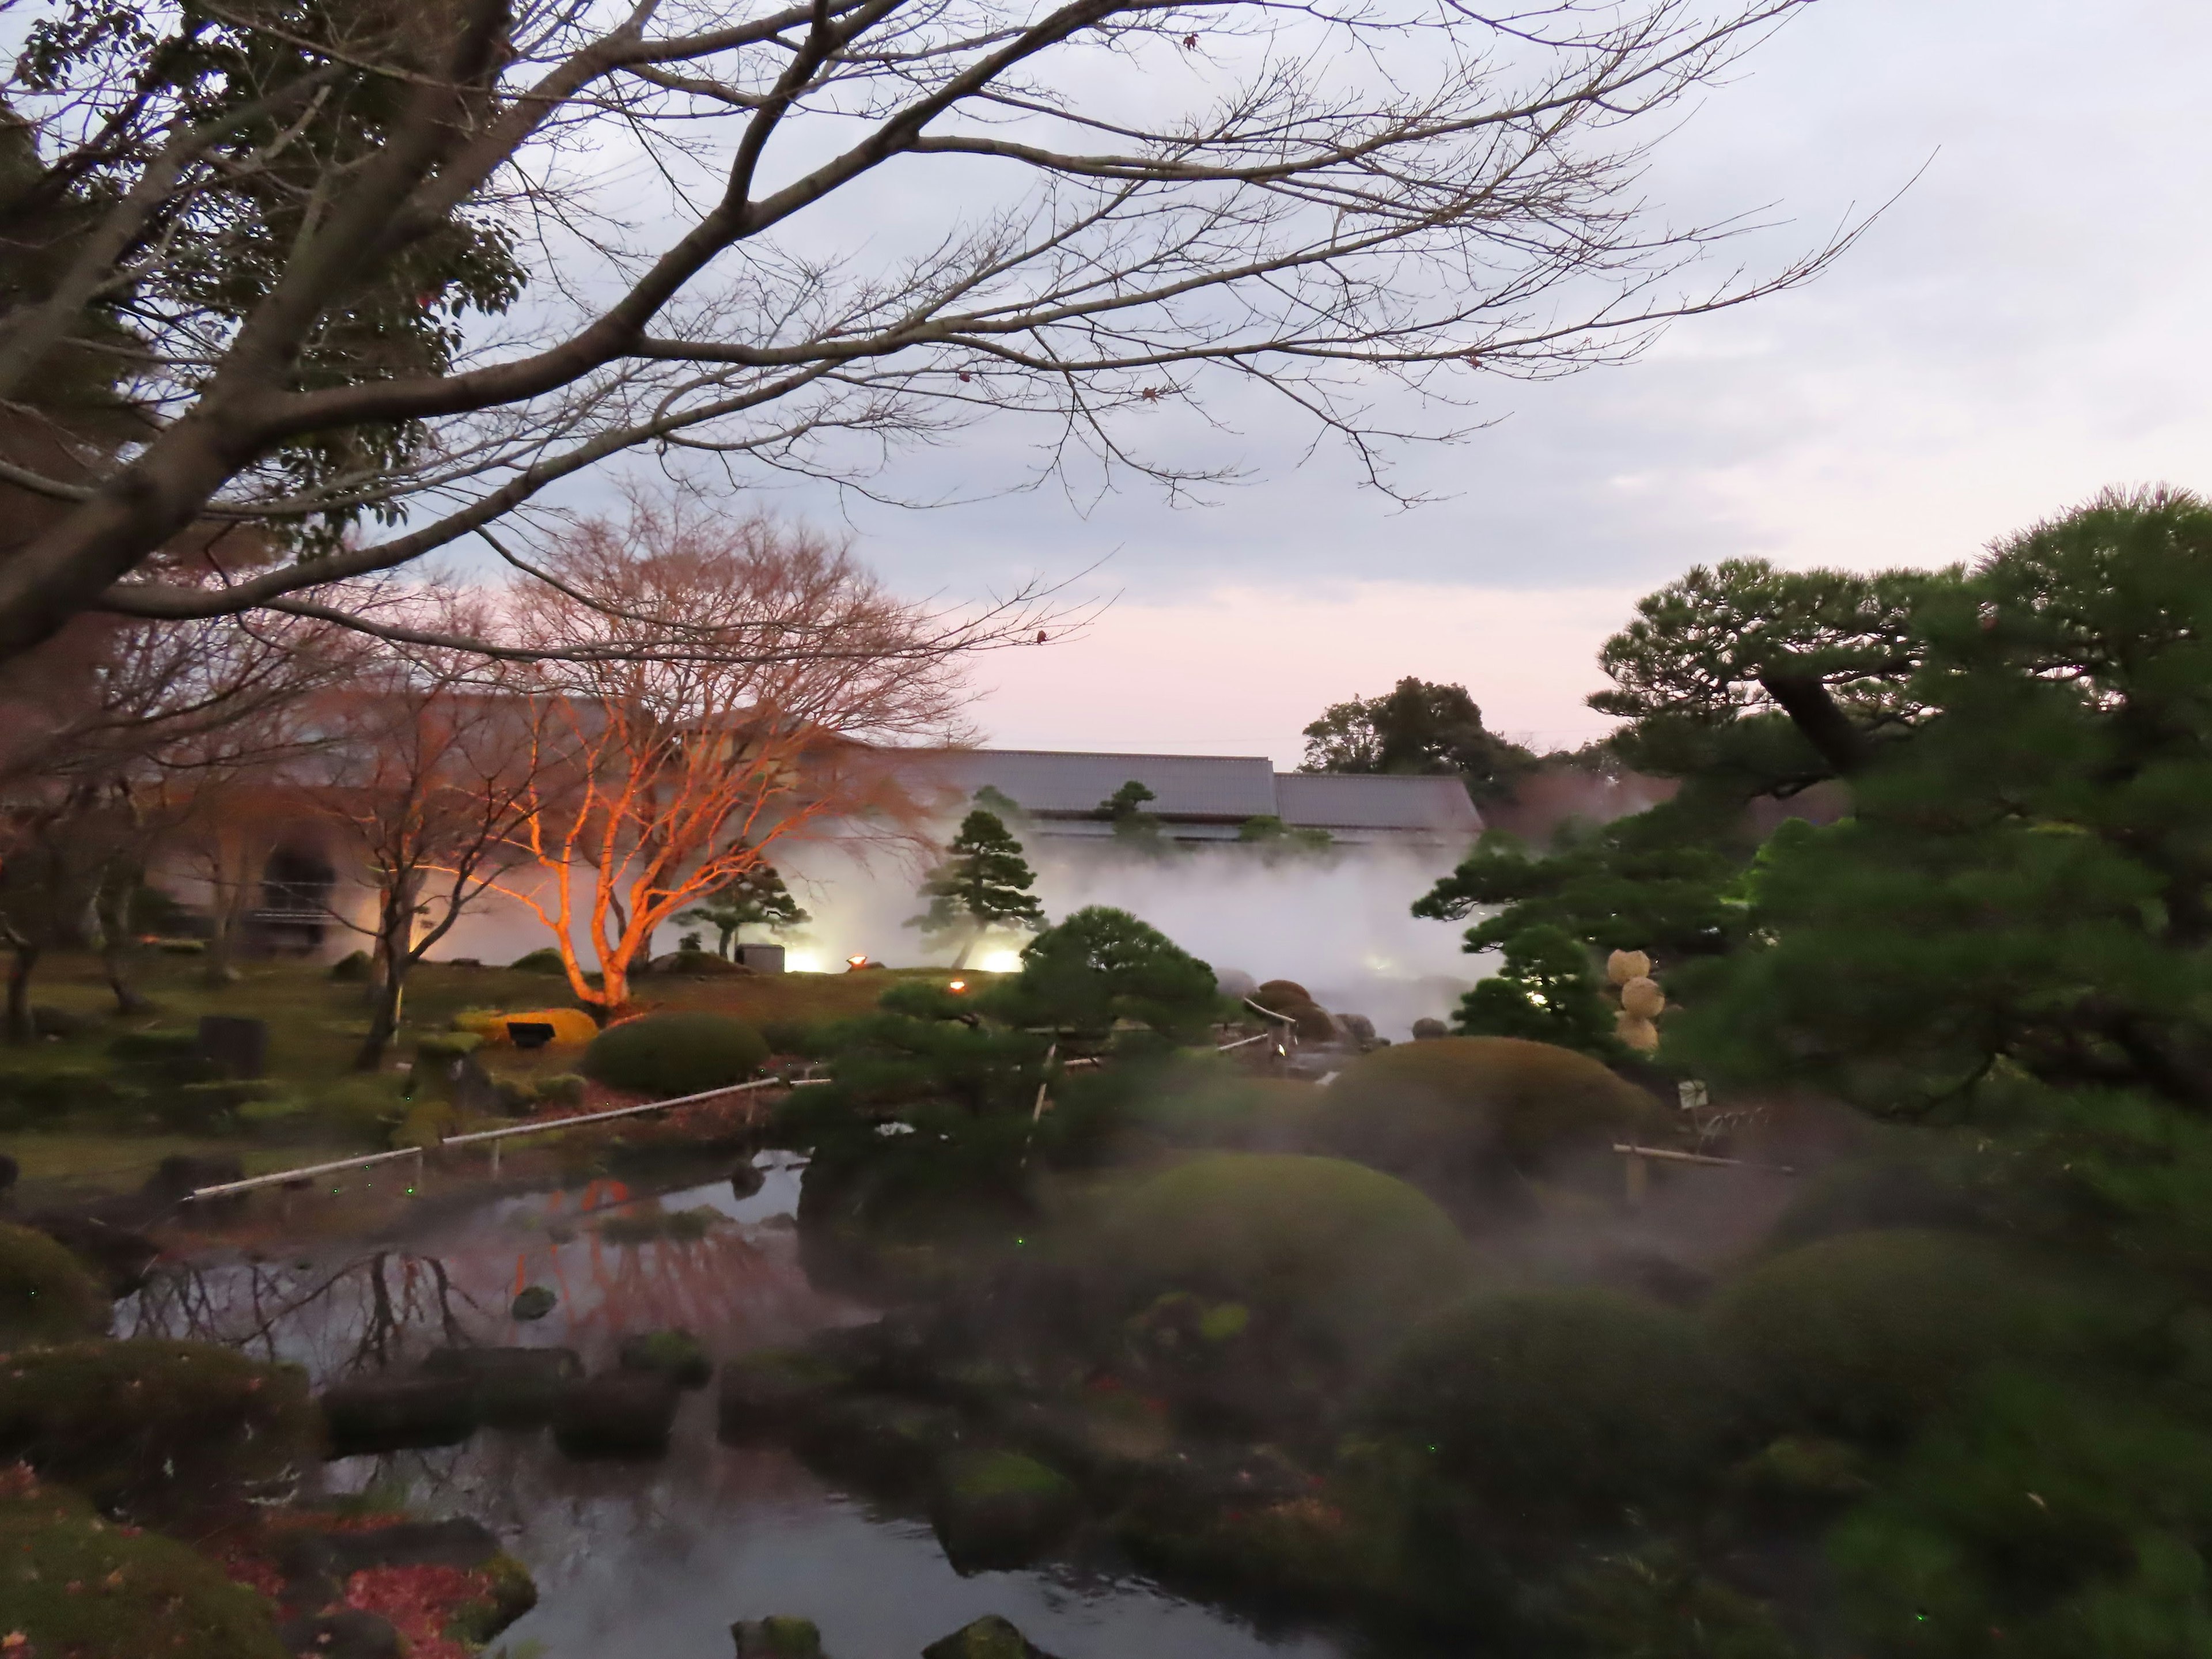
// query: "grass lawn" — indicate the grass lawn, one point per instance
point(315, 1025)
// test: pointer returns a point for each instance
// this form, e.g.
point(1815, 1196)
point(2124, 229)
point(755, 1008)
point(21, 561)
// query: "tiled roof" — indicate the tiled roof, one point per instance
point(1343, 801)
point(1047, 782)
point(1213, 790)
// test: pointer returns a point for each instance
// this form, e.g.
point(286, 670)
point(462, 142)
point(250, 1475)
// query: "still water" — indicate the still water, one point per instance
point(657, 1560)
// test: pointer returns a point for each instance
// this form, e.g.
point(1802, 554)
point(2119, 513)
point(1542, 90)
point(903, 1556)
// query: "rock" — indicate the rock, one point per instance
point(995, 1511)
point(674, 1354)
point(533, 1301)
point(1426, 1030)
point(51, 1021)
point(746, 1180)
point(457, 1542)
point(238, 1048)
point(509, 1386)
point(344, 1634)
point(176, 1179)
point(119, 1257)
point(387, 1413)
point(988, 1637)
point(881, 1440)
point(621, 1413)
point(766, 1393)
point(777, 1637)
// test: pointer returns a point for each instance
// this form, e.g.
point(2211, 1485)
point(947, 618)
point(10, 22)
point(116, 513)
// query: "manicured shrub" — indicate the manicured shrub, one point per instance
point(353, 968)
point(1465, 1117)
point(31, 1099)
point(144, 1048)
point(1346, 1258)
point(154, 1426)
point(544, 960)
point(1866, 1335)
point(1561, 1405)
point(562, 1089)
point(46, 1295)
point(364, 1107)
point(675, 1053)
point(73, 1583)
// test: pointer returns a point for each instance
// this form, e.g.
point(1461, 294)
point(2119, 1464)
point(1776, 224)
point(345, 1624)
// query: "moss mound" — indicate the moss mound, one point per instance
point(153, 1426)
point(1867, 1333)
point(72, 1583)
point(1463, 1117)
point(1347, 1256)
point(675, 1053)
point(46, 1295)
point(1559, 1405)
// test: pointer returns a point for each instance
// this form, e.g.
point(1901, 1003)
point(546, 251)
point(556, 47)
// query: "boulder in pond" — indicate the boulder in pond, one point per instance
point(777, 1637)
point(674, 1354)
point(533, 1301)
point(617, 1414)
point(746, 1180)
point(512, 1387)
point(988, 1637)
point(389, 1413)
point(344, 1633)
point(767, 1392)
point(879, 1440)
point(997, 1511)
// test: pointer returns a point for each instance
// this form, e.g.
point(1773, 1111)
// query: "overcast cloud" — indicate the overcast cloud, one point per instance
point(2023, 327)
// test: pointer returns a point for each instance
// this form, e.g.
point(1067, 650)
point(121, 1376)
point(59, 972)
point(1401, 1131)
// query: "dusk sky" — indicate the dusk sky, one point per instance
point(2023, 327)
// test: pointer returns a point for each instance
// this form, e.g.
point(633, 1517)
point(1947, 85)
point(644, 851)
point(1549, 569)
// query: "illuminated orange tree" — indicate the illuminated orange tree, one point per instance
point(721, 685)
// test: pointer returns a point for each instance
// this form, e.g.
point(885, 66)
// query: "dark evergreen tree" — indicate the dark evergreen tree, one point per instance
point(1415, 727)
point(1133, 827)
point(983, 883)
point(1103, 967)
point(757, 898)
point(1546, 991)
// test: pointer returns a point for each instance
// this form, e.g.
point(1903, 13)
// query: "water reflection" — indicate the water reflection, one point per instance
point(657, 1558)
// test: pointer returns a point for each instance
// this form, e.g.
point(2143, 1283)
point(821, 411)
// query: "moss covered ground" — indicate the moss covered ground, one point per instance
point(100, 1139)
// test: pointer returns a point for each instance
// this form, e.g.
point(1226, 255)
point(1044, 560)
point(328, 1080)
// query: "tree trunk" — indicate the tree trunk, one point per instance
point(118, 949)
point(966, 946)
point(394, 953)
point(20, 1028)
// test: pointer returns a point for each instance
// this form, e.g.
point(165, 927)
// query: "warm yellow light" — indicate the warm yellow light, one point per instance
point(1002, 962)
point(856, 962)
point(958, 984)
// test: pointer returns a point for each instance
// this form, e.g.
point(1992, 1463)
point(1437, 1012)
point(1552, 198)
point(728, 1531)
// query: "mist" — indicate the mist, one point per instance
point(1340, 924)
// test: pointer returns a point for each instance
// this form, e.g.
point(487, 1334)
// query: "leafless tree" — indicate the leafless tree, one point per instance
point(432, 765)
point(114, 735)
point(281, 229)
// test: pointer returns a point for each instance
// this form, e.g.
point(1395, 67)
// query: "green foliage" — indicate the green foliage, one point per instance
point(255, 189)
point(1272, 836)
point(1659, 881)
point(1868, 1334)
point(354, 967)
point(1545, 991)
point(544, 960)
point(46, 1295)
point(1103, 967)
point(926, 1044)
point(1655, 1603)
point(362, 1107)
point(1415, 727)
point(754, 898)
point(2037, 1520)
point(157, 1428)
point(1565, 1406)
point(1133, 827)
point(71, 1583)
point(1346, 1259)
point(670, 1054)
point(983, 883)
point(1466, 1118)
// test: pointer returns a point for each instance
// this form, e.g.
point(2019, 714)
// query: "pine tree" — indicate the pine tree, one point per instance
point(757, 898)
point(1546, 991)
point(983, 883)
point(1133, 827)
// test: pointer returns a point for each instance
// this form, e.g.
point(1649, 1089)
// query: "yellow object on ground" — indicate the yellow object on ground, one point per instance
point(572, 1027)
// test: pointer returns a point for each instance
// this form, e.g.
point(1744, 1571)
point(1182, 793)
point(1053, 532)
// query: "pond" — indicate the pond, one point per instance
point(659, 1559)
